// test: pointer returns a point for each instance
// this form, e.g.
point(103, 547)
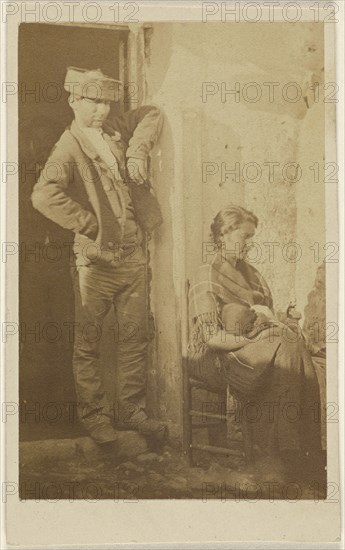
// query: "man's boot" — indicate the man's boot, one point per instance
point(154, 430)
point(100, 429)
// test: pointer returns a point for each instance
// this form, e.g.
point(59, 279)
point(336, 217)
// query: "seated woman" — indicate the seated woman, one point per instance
point(286, 399)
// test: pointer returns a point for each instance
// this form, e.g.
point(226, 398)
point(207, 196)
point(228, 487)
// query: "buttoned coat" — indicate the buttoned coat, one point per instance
point(66, 191)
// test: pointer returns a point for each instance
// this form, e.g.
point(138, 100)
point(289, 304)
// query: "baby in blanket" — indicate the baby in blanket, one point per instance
point(243, 320)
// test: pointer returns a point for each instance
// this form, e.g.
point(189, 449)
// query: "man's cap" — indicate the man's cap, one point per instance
point(92, 84)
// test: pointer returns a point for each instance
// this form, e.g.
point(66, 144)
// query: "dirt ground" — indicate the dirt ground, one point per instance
point(78, 469)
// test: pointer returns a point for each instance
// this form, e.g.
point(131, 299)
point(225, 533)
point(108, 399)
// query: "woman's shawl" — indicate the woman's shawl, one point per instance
point(219, 283)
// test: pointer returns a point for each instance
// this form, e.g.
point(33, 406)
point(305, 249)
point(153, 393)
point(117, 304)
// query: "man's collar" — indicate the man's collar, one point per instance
point(88, 129)
point(84, 142)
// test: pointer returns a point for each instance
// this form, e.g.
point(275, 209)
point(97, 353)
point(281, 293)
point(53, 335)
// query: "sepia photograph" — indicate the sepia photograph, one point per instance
point(177, 252)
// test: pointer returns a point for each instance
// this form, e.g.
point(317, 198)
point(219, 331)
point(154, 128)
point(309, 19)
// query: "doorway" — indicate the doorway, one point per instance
point(46, 305)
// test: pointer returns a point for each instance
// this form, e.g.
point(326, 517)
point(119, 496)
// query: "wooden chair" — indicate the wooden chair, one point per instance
point(199, 419)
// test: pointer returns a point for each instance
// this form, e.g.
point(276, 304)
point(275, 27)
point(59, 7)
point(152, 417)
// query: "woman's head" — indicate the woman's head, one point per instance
point(232, 227)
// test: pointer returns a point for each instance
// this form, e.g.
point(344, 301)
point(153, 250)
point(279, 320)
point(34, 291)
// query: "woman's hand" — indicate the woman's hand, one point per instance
point(263, 310)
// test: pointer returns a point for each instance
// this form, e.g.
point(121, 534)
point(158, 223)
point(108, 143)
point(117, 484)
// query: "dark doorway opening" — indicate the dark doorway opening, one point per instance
point(46, 307)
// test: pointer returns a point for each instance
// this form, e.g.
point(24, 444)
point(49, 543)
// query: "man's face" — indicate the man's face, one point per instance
point(90, 112)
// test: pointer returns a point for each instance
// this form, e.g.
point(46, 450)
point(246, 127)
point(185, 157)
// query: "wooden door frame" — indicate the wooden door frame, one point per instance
point(132, 55)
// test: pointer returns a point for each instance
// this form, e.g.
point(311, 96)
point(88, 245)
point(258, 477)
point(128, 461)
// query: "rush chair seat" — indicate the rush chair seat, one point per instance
point(196, 418)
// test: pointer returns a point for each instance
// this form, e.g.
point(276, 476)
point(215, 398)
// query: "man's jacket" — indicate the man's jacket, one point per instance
point(69, 186)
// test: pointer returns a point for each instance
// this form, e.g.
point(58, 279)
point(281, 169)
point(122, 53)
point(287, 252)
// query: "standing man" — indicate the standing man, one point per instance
point(84, 187)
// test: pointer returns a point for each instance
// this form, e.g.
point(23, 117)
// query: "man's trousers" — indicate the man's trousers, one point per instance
point(97, 288)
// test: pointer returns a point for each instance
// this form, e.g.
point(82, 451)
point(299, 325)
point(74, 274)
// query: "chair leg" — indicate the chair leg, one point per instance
point(217, 433)
point(247, 434)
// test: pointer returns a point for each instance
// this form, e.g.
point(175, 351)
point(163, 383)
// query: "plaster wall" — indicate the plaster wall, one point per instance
point(243, 135)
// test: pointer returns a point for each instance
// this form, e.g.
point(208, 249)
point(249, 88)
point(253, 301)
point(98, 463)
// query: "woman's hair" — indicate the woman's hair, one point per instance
point(230, 218)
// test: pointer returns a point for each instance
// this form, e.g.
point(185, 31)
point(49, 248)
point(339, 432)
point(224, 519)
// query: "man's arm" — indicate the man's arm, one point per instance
point(140, 129)
point(50, 198)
